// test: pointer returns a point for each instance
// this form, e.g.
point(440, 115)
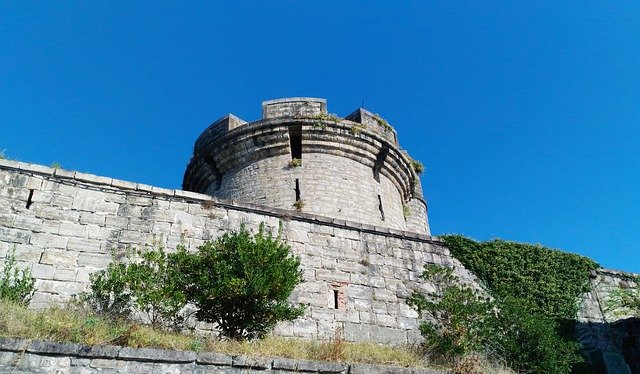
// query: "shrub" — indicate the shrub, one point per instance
point(625, 301)
point(536, 291)
point(241, 282)
point(457, 313)
point(16, 286)
point(146, 283)
point(417, 166)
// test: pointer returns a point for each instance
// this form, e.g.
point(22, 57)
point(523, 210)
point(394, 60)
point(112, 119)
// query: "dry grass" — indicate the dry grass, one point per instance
point(70, 325)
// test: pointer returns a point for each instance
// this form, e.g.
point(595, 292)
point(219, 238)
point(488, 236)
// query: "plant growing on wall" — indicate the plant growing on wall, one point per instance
point(16, 285)
point(296, 162)
point(536, 290)
point(299, 204)
point(417, 166)
point(241, 282)
point(625, 301)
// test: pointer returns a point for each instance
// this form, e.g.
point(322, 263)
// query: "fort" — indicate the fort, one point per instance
point(349, 200)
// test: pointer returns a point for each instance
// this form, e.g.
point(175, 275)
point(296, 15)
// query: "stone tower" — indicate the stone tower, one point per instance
point(299, 157)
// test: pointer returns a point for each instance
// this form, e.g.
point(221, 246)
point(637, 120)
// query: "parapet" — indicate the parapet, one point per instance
point(296, 107)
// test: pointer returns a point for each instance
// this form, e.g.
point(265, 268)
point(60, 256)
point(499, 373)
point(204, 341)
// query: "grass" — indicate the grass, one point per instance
point(69, 325)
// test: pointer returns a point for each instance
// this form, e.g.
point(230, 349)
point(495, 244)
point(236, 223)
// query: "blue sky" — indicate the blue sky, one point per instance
point(526, 116)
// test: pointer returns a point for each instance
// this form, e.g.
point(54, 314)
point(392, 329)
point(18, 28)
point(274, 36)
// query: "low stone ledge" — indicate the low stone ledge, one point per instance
point(157, 355)
point(214, 358)
point(14, 344)
point(99, 351)
point(49, 347)
point(261, 363)
point(109, 357)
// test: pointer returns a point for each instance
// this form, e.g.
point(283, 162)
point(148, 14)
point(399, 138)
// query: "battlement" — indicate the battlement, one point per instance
point(297, 107)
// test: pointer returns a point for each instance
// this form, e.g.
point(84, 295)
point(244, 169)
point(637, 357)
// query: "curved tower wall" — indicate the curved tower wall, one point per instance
point(350, 169)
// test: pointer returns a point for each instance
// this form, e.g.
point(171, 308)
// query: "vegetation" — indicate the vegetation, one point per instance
point(357, 129)
point(73, 325)
point(529, 320)
point(458, 314)
point(322, 117)
point(382, 123)
point(2, 154)
point(145, 283)
point(406, 211)
point(241, 282)
point(56, 165)
point(296, 162)
point(417, 166)
point(626, 301)
point(16, 285)
point(299, 204)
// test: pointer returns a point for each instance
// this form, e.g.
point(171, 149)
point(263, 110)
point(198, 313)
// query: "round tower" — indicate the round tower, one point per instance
point(299, 157)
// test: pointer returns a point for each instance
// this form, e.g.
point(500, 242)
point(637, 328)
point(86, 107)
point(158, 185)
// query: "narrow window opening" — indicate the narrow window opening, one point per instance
point(382, 155)
point(295, 141)
point(30, 199)
point(297, 190)
point(336, 295)
point(380, 207)
point(215, 172)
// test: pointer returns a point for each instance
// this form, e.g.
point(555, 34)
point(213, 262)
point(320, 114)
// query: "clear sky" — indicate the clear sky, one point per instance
point(525, 115)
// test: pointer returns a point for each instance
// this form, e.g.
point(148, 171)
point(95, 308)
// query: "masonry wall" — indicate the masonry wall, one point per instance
point(64, 226)
point(604, 329)
point(25, 356)
point(329, 185)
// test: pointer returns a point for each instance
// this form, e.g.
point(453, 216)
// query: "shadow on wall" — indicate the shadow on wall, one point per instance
point(611, 347)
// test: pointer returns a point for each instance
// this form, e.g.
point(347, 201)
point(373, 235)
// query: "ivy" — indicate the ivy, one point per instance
point(549, 280)
point(536, 292)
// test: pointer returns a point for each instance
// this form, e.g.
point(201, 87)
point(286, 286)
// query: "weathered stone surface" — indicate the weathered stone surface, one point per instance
point(159, 355)
point(242, 361)
point(214, 358)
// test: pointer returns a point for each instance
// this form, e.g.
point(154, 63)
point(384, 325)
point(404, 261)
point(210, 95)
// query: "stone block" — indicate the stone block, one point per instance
point(14, 344)
point(56, 348)
point(214, 358)
point(56, 257)
point(14, 235)
point(156, 355)
point(47, 240)
point(261, 363)
point(72, 229)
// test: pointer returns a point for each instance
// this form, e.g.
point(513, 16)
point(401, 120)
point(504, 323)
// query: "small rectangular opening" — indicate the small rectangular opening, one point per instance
point(380, 207)
point(295, 141)
point(297, 190)
point(382, 155)
point(30, 199)
point(336, 294)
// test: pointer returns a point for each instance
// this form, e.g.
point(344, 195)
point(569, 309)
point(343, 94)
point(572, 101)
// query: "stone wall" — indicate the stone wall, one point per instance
point(605, 330)
point(25, 356)
point(65, 224)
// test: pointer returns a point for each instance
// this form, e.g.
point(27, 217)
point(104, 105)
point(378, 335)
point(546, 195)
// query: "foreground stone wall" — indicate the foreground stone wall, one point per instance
point(25, 356)
point(64, 226)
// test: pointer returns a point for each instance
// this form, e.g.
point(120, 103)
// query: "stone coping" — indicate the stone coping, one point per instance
point(100, 182)
point(110, 352)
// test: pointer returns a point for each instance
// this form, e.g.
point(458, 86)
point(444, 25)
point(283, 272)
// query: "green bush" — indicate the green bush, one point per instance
point(16, 286)
point(457, 313)
point(536, 292)
point(145, 283)
point(241, 282)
